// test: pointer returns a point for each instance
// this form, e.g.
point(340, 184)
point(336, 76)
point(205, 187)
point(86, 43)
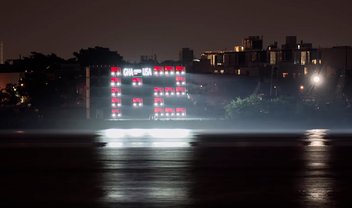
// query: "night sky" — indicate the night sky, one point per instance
point(163, 27)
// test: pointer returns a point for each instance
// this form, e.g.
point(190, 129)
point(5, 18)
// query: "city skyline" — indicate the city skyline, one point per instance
point(136, 28)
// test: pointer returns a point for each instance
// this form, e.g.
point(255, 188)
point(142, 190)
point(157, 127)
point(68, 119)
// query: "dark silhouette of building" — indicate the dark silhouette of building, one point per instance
point(186, 56)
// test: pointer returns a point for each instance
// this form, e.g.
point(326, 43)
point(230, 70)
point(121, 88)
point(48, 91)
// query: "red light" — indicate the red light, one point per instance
point(169, 110)
point(115, 69)
point(158, 100)
point(137, 100)
point(115, 100)
point(180, 68)
point(158, 68)
point(158, 110)
point(158, 89)
point(115, 79)
point(180, 89)
point(180, 110)
point(115, 111)
point(115, 90)
point(180, 79)
point(169, 89)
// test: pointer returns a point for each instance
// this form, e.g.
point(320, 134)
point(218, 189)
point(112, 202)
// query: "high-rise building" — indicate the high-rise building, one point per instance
point(186, 56)
point(253, 43)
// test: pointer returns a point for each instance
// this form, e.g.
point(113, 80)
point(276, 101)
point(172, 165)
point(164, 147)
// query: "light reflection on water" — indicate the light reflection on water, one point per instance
point(146, 138)
point(316, 137)
point(317, 186)
point(155, 174)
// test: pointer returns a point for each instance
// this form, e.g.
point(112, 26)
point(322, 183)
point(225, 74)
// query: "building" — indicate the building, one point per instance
point(186, 56)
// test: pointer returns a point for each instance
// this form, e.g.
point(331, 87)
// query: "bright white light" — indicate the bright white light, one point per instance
point(140, 104)
point(161, 93)
point(170, 133)
point(161, 114)
point(119, 115)
point(119, 94)
point(177, 114)
point(183, 72)
point(134, 84)
point(113, 105)
point(118, 73)
point(114, 115)
point(113, 84)
point(114, 133)
point(177, 72)
point(161, 73)
point(167, 114)
point(183, 114)
point(119, 104)
point(167, 94)
point(139, 83)
point(183, 93)
point(170, 144)
point(177, 93)
point(113, 94)
point(183, 83)
point(156, 114)
point(155, 73)
point(156, 104)
point(172, 93)
point(166, 73)
point(134, 104)
point(119, 83)
point(172, 73)
point(114, 145)
point(155, 93)
point(113, 74)
point(316, 137)
point(316, 79)
point(172, 114)
point(178, 83)
point(161, 104)
point(136, 132)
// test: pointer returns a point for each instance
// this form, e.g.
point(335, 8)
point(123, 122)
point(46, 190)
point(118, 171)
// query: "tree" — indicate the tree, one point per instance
point(98, 56)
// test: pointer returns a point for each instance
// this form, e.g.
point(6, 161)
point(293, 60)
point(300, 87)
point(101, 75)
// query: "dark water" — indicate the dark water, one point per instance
point(171, 168)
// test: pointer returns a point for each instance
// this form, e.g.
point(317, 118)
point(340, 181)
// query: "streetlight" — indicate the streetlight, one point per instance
point(316, 79)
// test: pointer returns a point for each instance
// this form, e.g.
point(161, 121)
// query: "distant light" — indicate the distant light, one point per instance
point(316, 79)
point(301, 87)
point(170, 144)
point(114, 133)
point(169, 133)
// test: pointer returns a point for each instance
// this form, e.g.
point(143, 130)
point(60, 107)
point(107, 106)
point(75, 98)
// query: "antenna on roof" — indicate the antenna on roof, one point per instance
point(1, 52)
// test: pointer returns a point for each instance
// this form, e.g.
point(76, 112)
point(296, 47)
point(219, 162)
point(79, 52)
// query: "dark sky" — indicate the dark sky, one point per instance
point(145, 27)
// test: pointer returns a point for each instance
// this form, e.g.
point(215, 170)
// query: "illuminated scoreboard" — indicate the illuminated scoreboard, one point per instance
point(158, 92)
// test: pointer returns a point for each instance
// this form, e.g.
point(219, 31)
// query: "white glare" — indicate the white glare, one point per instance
point(136, 132)
point(170, 133)
point(114, 145)
point(170, 144)
point(114, 133)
